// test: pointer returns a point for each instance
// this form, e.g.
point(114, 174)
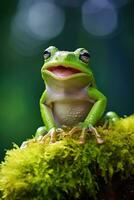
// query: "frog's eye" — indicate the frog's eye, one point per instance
point(84, 56)
point(46, 54)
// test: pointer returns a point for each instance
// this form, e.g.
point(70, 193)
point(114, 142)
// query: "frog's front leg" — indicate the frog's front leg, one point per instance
point(95, 114)
point(48, 118)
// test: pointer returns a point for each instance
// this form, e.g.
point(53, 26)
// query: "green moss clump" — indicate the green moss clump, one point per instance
point(66, 169)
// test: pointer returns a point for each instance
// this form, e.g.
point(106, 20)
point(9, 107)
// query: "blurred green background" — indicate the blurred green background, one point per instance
point(27, 27)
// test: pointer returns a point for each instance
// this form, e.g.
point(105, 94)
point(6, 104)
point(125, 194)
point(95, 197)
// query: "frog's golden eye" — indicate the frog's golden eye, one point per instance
point(46, 54)
point(84, 56)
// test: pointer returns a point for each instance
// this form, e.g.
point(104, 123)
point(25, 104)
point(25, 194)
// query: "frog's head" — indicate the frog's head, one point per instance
point(65, 65)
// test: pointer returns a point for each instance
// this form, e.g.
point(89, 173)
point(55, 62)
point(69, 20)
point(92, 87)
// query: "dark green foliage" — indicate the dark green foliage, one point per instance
point(66, 169)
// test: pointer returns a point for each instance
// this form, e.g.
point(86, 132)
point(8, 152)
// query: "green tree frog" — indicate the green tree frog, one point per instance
point(71, 96)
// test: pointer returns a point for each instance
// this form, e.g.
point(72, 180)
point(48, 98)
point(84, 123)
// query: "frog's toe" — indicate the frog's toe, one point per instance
point(42, 139)
point(96, 134)
point(52, 134)
point(82, 140)
point(59, 130)
point(82, 136)
point(24, 145)
point(99, 140)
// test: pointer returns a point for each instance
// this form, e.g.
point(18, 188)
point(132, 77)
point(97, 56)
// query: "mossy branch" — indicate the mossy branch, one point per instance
point(67, 170)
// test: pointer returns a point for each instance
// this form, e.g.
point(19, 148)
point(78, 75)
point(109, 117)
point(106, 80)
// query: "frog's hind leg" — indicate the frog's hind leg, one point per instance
point(110, 118)
point(41, 131)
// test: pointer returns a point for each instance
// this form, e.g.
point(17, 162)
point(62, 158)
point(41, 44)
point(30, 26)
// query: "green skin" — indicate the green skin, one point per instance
point(71, 97)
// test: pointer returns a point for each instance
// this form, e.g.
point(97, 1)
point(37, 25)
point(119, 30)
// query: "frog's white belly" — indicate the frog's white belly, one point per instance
point(71, 112)
point(69, 100)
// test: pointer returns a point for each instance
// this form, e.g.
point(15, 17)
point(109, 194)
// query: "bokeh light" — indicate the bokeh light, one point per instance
point(99, 18)
point(70, 3)
point(45, 20)
point(34, 22)
point(119, 3)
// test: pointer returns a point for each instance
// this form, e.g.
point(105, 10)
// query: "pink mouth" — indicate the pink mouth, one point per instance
point(62, 71)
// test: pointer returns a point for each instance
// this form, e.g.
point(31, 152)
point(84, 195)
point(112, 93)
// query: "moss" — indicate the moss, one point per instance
point(66, 169)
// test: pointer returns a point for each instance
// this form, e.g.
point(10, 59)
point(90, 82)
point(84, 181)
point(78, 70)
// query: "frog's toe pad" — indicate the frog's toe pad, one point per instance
point(81, 140)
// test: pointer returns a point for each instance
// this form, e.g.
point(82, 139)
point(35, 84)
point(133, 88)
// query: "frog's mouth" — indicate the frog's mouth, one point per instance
point(62, 71)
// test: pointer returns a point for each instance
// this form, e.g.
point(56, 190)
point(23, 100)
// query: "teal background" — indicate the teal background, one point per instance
point(21, 85)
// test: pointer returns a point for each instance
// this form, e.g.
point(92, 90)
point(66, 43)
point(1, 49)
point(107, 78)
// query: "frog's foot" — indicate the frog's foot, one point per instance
point(24, 145)
point(92, 130)
point(96, 134)
point(52, 134)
